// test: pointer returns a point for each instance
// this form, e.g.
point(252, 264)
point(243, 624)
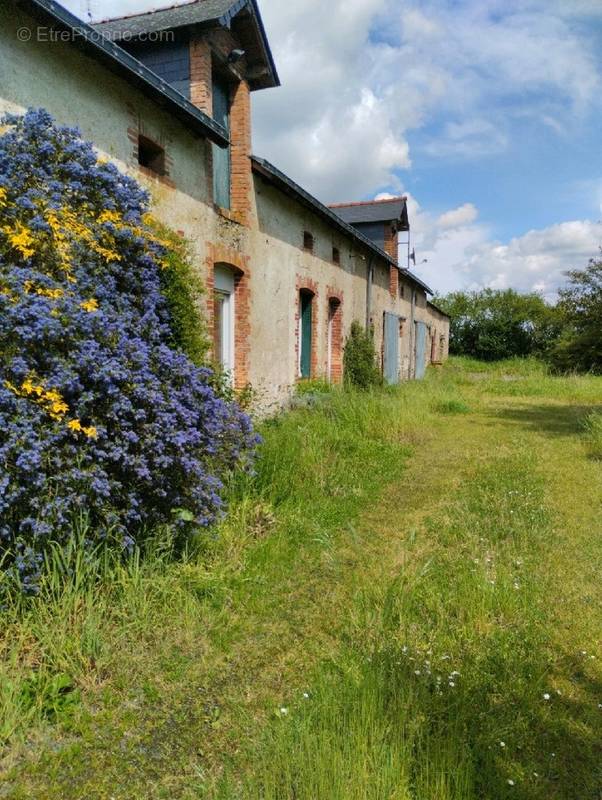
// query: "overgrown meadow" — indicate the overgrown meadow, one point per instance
point(403, 601)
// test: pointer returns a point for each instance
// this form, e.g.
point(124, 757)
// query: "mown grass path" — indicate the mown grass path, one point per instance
point(420, 618)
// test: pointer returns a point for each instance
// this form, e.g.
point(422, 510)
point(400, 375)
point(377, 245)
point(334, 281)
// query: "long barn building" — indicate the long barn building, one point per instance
point(167, 96)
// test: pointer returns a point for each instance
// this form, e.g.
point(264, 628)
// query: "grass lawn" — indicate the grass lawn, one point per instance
point(404, 603)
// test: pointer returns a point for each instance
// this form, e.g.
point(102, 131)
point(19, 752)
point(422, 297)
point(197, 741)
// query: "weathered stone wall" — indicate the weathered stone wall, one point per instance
point(261, 239)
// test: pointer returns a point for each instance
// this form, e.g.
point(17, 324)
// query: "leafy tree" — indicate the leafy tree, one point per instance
point(580, 345)
point(494, 324)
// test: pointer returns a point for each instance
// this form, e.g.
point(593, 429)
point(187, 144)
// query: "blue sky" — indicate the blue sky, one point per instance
point(487, 113)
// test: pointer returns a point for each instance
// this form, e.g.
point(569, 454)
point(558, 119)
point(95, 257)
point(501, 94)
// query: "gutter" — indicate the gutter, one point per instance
point(413, 336)
point(440, 310)
point(115, 58)
point(273, 175)
point(369, 282)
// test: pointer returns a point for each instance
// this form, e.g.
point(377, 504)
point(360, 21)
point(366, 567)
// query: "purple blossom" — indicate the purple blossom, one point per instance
point(165, 441)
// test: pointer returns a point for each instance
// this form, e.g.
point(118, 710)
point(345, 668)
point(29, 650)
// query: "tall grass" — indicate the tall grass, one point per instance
point(319, 466)
point(593, 431)
point(445, 699)
point(271, 660)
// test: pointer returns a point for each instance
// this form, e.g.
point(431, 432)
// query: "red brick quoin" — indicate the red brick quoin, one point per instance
point(220, 254)
point(392, 249)
point(311, 286)
point(334, 313)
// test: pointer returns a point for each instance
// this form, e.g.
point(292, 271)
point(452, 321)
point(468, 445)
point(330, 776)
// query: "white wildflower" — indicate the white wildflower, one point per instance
point(510, 782)
point(546, 696)
point(502, 744)
point(284, 711)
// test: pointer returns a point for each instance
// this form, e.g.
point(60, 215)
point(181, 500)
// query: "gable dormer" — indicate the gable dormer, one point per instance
point(215, 53)
point(381, 221)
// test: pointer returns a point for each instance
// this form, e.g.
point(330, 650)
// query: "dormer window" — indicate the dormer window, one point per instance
point(151, 156)
point(308, 241)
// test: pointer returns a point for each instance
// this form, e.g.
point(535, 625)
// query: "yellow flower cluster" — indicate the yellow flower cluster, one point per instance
point(20, 239)
point(52, 402)
point(76, 426)
point(90, 305)
point(53, 294)
point(3, 196)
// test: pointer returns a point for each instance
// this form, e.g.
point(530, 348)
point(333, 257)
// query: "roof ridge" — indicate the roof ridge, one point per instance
point(368, 202)
point(147, 13)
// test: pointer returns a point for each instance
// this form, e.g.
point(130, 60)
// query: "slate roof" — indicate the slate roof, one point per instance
point(394, 210)
point(199, 13)
point(126, 66)
point(286, 184)
point(164, 19)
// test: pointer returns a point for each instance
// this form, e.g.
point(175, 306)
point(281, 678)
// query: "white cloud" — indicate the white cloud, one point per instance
point(466, 257)
point(464, 215)
point(359, 75)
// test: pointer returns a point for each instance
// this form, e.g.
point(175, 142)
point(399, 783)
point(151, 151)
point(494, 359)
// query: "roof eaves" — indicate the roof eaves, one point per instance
point(86, 38)
point(415, 279)
point(440, 310)
point(274, 175)
point(265, 43)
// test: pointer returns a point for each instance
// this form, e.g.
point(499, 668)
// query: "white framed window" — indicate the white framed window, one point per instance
point(224, 318)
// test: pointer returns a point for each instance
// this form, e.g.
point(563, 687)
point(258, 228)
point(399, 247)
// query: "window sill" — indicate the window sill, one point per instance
point(165, 180)
point(227, 213)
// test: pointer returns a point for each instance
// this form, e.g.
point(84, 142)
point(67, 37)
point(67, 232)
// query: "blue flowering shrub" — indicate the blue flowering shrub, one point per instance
point(99, 413)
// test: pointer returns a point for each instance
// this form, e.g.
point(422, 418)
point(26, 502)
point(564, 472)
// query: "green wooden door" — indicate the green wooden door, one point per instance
point(221, 155)
point(305, 314)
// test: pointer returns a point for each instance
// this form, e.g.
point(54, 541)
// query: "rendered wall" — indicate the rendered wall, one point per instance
point(266, 252)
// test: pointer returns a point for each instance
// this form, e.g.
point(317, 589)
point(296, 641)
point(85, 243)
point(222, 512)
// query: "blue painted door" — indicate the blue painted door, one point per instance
point(305, 314)
point(221, 155)
point(391, 349)
point(421, 335)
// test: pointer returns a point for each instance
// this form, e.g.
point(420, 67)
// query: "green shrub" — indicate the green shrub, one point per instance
point(182, 287)
point(360, 359)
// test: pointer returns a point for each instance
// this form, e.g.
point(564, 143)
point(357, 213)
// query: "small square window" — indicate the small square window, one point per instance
point(151, 155)
point(308, 241)
point(336, 255)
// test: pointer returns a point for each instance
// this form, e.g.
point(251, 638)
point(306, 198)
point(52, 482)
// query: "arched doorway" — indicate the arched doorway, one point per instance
point(306, 301)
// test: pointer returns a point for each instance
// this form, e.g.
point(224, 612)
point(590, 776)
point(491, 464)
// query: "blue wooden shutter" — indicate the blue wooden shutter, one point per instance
point(421, 331)
point(221, 156)
point(391, 349)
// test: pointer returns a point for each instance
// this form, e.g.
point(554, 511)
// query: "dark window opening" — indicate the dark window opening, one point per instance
point(151, 155)
point(308, 241)
point(305, 332)
point(336, 255)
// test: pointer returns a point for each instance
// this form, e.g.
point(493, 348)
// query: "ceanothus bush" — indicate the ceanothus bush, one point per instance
point(98, 414)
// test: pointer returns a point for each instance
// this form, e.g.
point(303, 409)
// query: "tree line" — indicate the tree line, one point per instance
point(496, 324)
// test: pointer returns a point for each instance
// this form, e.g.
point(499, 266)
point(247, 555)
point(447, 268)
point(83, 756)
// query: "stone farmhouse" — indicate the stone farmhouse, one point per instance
point(167, 96)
